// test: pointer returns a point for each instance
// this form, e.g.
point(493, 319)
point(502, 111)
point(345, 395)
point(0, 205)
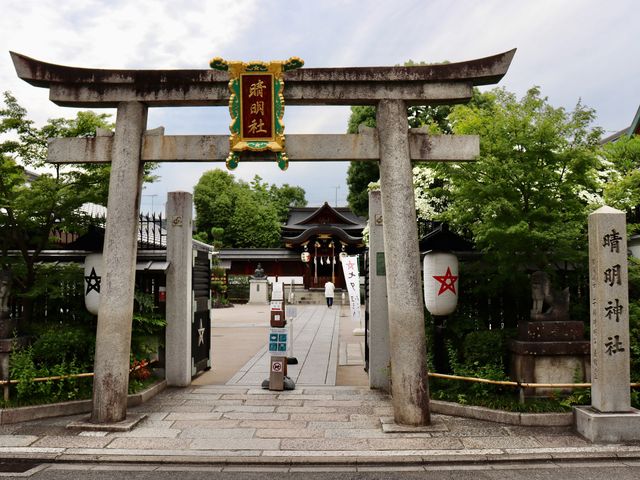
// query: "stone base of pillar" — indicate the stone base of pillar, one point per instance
point(603, 427)
point(550, 352)
point(550, 368)
point(258, 292)
point(125, 425)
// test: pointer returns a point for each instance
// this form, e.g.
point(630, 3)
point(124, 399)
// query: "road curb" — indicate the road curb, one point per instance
point(448, 459)
point(499, 416)
point(76, 407)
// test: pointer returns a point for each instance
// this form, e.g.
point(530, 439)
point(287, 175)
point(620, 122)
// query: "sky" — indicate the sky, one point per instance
point(575, 50)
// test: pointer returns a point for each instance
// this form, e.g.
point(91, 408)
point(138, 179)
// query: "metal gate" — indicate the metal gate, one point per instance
point(365, 272)
point(200, 316)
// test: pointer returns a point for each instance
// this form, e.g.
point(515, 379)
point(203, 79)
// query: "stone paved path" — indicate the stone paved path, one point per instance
point(315, 345)
point(308, 425)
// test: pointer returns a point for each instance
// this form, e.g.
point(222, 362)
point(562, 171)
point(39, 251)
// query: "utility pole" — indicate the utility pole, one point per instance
point(152, 197)
point(337, 188)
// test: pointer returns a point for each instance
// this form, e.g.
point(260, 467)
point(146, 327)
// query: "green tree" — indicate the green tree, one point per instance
point(253, 223)
point(214, 198)
point(31, 210)
point(285, 197)
point(282, 198)
point(361, 174)
point(240, 214)
point(524, 202)
point(92, 180)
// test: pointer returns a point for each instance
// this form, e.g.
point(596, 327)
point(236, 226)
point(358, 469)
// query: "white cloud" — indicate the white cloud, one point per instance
point(571, 49)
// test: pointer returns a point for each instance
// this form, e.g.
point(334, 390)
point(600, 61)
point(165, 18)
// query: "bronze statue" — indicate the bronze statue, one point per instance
point(548, 304)
point(259, 273)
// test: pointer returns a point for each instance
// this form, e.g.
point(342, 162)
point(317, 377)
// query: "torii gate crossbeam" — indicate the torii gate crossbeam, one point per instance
point(391, 89)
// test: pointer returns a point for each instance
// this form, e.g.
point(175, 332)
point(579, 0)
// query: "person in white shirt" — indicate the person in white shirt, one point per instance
point(329, 289)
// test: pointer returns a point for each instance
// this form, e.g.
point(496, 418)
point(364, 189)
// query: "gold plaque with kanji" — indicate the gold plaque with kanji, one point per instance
point(256, 106)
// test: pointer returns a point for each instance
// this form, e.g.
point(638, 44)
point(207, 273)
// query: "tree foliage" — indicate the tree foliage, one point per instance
point(234, 213)
point(281, 198)
point(33, 206)
point(622, 178)
point(524, 201)
point(360, 174)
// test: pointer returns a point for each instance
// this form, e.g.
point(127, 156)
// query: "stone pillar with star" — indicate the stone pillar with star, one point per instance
point(179, 287)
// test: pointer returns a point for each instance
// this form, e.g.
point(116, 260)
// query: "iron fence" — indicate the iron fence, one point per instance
point(151, 232)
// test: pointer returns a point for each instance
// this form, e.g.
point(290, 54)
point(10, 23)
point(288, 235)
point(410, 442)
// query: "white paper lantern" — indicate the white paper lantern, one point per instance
point(305, 257)
point(440, 283)
point(93, 268)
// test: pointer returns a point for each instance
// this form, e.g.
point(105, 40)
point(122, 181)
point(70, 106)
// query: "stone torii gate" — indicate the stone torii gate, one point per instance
point(390, 89)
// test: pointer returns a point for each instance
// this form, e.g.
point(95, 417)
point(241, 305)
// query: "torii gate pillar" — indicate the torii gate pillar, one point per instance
point(115, 314)
point(409, 378)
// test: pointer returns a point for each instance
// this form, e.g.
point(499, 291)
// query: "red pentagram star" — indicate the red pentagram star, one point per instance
point(447, 282)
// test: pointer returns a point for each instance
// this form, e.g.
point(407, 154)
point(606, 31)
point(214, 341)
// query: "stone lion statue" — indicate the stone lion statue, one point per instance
point(548, 304)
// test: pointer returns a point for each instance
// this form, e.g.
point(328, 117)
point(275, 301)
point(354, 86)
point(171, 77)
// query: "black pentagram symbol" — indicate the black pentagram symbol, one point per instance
point(93, 281)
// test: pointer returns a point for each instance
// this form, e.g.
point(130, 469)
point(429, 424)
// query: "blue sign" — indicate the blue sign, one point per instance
point(278, 341)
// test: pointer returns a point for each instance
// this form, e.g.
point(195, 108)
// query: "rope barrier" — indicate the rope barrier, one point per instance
point(431, 374)
point(73, 375)
point(516, 384)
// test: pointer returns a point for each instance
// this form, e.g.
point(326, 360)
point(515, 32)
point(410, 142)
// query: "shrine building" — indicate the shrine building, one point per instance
point(313, 239)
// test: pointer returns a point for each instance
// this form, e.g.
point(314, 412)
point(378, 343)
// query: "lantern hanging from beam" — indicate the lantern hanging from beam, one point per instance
point(93, 267)
point(440, 283)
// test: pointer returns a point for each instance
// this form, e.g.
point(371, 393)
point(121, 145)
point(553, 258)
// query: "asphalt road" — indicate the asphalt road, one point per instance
point(530, 471)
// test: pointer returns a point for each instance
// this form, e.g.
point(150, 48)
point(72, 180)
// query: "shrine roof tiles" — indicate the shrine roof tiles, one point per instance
point(324, 215)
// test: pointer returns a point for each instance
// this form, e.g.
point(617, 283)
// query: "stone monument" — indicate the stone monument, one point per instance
point(610, 417)
point(258, 287)
point(550, 347)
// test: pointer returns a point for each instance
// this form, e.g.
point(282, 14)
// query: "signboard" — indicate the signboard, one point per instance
point(352, 279)
point(291, 311)
point(277, 366)
point(278, 338)
point(277, 292)
point(256, 106)
point(381, 270)
point(257, 121)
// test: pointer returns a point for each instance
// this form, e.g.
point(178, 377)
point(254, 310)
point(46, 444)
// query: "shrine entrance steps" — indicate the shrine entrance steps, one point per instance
point(315, 296)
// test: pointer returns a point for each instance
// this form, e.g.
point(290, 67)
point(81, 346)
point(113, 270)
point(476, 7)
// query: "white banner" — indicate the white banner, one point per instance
point(352, 279)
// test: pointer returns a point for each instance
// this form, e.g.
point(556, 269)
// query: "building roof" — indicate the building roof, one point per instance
point(441, 239)
point(633, 129)
point(254, 254)
point(323, 215)
point(305, 222)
